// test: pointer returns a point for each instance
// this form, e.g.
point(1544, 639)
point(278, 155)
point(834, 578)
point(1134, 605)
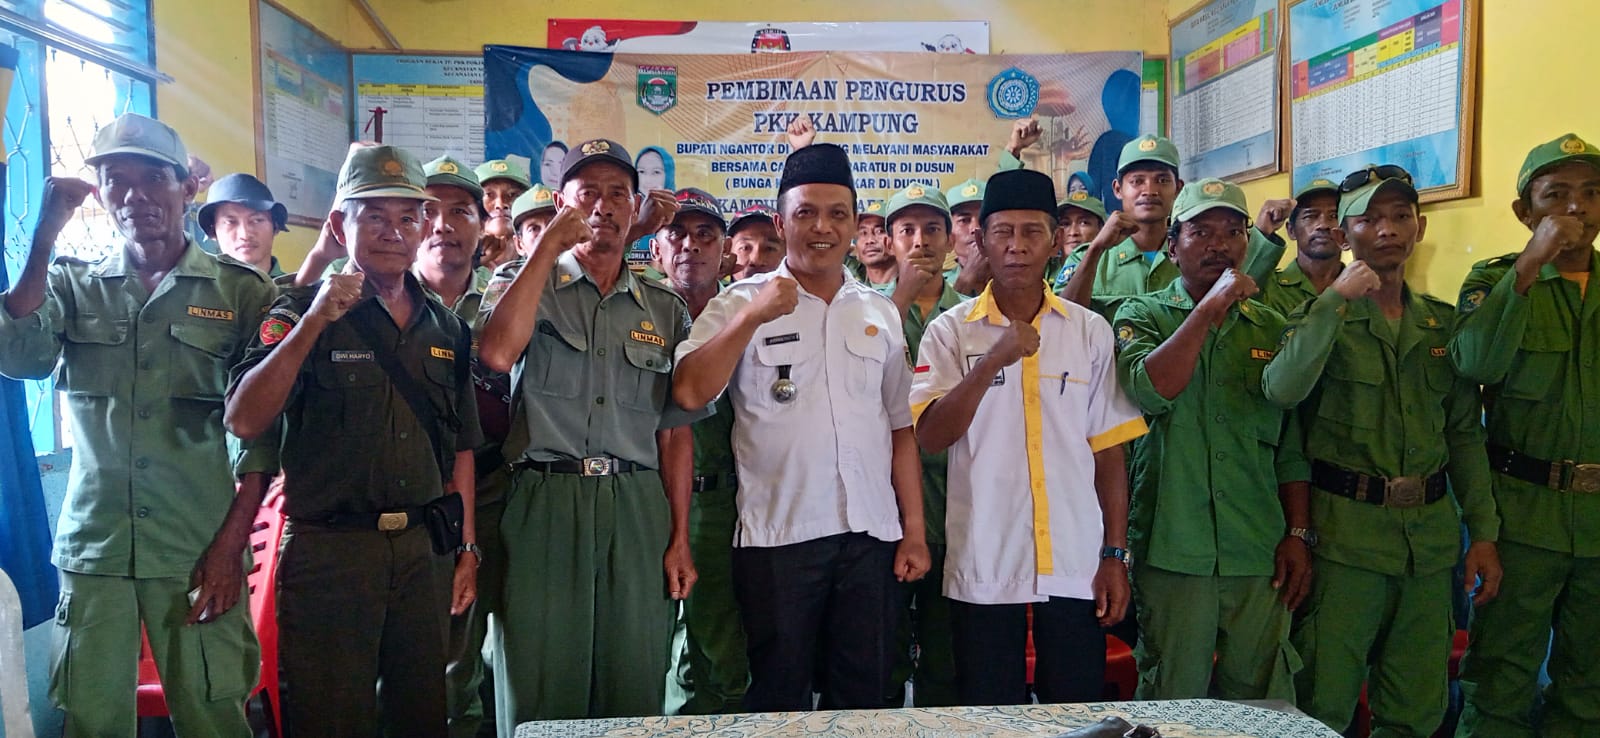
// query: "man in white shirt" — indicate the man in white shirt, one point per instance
point(813, 357)
point(1021, 387)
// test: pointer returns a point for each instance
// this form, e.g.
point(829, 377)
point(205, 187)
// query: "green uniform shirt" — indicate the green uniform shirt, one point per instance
point(713, 441)
point(144, 375)
point(1537, 356)
point(351, 443)
point(860, 271)
point(1388, 407)
point(1124, 270)
point(1288, 289)
point(596, 377)
point(1205, 482)
point(935, 467)
point(468, 305)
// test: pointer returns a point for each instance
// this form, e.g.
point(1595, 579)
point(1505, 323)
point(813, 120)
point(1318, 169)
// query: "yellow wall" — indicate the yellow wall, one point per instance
point(1533, 85)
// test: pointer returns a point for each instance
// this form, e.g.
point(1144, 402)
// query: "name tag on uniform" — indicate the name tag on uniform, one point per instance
point(1437, 351)
point(442, 353)
point(349, 356)
point(780, 340)
point(649, 338)
point(210, 313)
point(1261, 354)
point(972, 363)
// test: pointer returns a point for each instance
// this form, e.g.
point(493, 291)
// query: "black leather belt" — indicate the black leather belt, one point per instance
point(592, 466)
point(1397, 492)
point(1566, 476)
point(715, 481)
point(401, 519)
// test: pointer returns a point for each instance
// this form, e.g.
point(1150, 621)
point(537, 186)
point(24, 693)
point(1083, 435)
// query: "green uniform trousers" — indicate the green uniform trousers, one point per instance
point(1499, 676)
point(464, 675)
point(1191, 625)
point(925, 653)
point(207, 670)
point(585, 626)
point(1403, 624)
point(363, 621)
point(718, 665)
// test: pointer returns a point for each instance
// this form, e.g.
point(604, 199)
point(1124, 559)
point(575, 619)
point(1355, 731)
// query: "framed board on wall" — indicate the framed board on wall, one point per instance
point(1349, 59)
point(432, 103)
point(302, 111)
point(1153, 96)
point(1225, 90)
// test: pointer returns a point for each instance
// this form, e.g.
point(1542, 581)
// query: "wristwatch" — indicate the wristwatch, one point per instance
point(471, 548)
point(1309, 535)
point(1120, 554)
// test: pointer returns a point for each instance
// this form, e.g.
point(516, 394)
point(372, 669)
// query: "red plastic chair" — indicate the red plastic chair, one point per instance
point(1122, 674)
point(265, 534)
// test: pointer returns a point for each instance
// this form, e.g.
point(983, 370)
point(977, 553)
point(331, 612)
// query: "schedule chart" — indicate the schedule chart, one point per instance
point(1225, 89)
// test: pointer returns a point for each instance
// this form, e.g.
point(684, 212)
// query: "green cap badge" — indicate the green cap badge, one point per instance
point(502, 169)
point(1317, 185)
point(872, 209)
point(1082, 201)
point(1148, 147)
point(917, 195)
point(132, 133)
point(449, 172)
point(1197, 197)
point(1548, 154)
point(961, 194)
point(536, 199)
point(380, 171)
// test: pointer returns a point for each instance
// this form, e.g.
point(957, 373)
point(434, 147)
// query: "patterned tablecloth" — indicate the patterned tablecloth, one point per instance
point(1176, 719)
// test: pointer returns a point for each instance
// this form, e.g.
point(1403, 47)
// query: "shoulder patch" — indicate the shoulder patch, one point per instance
point(274, 329)
point(1472, 299)
point(1125, 334)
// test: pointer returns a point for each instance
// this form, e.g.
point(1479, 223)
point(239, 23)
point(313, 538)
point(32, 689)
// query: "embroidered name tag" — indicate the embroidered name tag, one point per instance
point(210, 313)
point(348, 356)
point(649, 338)
point(1261, 354)
point(441, 353)
point(1437, 351)
point(780, 340)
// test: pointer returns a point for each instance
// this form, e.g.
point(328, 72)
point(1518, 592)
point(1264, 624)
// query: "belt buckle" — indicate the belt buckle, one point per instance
point(392, 521)
point(1404, 492)
point(1583, 478)
point(597, 466)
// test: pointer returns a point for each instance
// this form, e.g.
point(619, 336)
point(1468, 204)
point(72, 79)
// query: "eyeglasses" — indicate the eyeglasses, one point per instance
point(1359, 179)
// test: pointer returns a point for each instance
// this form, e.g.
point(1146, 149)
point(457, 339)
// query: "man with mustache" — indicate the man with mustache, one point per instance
point(1391, 431)
point(830, 517)
point(1318, 256)
point(756, 246)
point(152, 532)
point(873, 261)
point(690, 250)
point(502, 181)
point(1128, 256)
point(1527, 328)
point(1219, 526)
point(364, 593)
point(598, 509)
point(242, 216)
point(1020, 386)
point(971, 272)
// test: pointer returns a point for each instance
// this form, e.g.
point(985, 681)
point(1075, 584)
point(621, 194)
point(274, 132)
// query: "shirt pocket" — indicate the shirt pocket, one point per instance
point(352, 398)
point(200, 361)
point(1538, 368)
point(764, 371)
point(647, 380)
point(1352, 390)
point(557, 361)
point(868, 350)
point(93, 360)
point(441, 386)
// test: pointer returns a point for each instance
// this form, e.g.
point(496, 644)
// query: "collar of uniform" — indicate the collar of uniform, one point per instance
point(984, 307)
point(850, 280)
point(1416, 311)
point(1549, 270)
point(1128, 251)
point(569, 272)
point(194, 262)
point(1176, 295)
point(1291, 275)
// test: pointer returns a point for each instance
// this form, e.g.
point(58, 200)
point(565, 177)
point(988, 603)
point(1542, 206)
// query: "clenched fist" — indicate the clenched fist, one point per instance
point(1018, 342)
point(339, 293)
point(802, 133)
point(1119, 226)
point(779, 297)
point(1356, 281)
point(62, 197)
point(1024, 133)
point(567, 228)
point(1273, 214)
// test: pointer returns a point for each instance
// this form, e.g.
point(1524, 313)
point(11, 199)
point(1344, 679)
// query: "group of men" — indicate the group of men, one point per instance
point(827, 430)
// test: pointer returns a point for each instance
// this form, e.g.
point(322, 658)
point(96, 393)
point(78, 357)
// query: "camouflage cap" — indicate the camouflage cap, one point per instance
point(451, 173)
point(756, 213)
point(913, 196)
point(692, 200)
point(494, 169)
point(537, 198)
point(1198, 197)
point(1550, 153)
point(961, 194)
point(371, 172)
point(132, 133)
point(1148, 147)
point(1082, 201)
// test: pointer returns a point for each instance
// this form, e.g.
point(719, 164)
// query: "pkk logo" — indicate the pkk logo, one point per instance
point(658, 88)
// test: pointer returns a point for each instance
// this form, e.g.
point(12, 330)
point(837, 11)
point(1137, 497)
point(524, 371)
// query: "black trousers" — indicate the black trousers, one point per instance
point(991, 644)
point(829, 604)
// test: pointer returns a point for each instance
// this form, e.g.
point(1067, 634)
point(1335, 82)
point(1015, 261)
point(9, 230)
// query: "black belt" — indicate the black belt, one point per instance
point(592, 466)
point(401, 519)
point(715, 481)
point(1566, 476)
point(1391, 492)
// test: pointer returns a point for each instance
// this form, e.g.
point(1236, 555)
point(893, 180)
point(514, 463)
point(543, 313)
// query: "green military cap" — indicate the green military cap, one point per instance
point(447, 171)
point(1148, 147)
point(1197, 197)
point(872, 209)
point(1355, 201)
point(536, 199)
point(1082, 201)
point(916, 195)
point(381, 171)
point(502, 169)
point(1548, 154)
point(961, 194)
point(132, 133)
point(1317, 185)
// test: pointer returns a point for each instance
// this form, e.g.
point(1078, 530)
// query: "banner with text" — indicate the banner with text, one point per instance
point(718, 121)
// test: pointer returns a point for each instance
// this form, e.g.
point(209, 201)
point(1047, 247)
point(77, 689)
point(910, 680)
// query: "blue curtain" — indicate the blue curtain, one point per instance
point(24, 523)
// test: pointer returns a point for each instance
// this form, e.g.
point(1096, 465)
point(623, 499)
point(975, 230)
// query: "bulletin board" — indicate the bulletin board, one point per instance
point(1153, 96)
point(432, 103)
point(1225, 91)
point(1383, 82)
point(302, 111)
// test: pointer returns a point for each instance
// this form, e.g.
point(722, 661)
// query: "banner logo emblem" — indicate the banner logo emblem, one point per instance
point(1013, 94)
point(658, 88)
